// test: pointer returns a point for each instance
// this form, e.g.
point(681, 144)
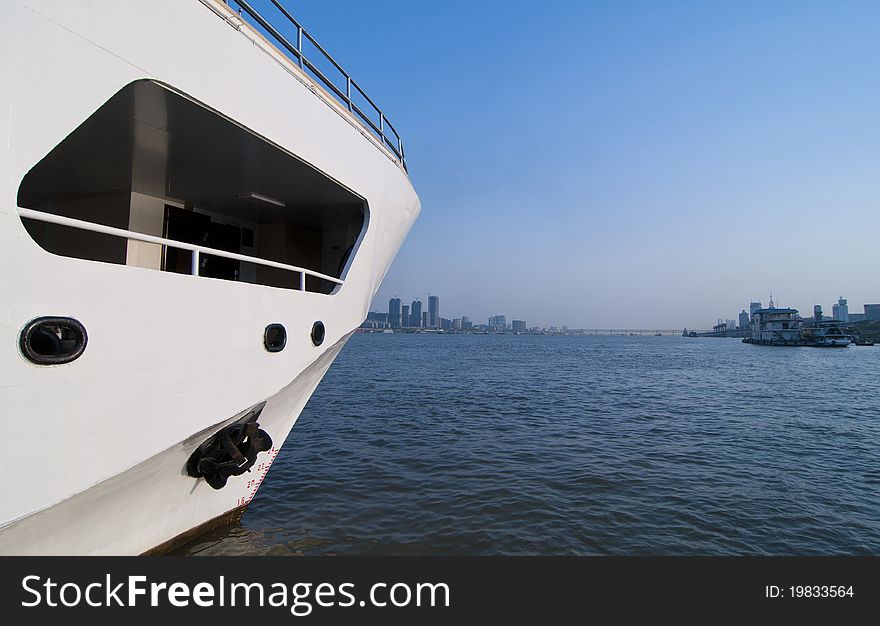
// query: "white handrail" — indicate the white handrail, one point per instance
point(61, 220)
point(344, 96)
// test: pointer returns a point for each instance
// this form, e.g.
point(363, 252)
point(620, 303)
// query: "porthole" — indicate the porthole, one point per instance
point(53, 340)
point(318, 333)
point(275, 338)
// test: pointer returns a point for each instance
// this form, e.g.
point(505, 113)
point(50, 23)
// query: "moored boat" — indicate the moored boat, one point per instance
point(195, 221)
point(826, 336)
point(824, 333)
point(774, 326)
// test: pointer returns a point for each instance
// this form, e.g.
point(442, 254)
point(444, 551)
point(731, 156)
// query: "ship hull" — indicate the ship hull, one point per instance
point(102, 442)
point(154, 506)
point(832, 343)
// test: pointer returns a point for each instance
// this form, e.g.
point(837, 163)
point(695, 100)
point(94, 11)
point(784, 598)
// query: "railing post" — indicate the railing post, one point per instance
point(302, 281)
point(348, 90)
point(195, 262)
point(382, 127)
point(299, 45)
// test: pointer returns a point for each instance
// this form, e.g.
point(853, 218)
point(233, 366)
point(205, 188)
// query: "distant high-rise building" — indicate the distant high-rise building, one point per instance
point(445, 324)
point(872, 312)
point(466, 323)
point(754, 306)
point(731, 324)
point(379, 319)
point(498, 322)
point(840, 311)
point(415, 315)
point(424, 319)
point(404, 315)
point(518, 326)
point(743, 320)
point(456, 323)
point(433, 312)
point(394, 312)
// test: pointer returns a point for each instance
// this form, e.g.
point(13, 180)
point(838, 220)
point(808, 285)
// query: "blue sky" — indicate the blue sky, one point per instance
point(626, 164)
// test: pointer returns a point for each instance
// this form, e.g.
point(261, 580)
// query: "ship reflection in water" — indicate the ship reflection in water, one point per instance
point(506, 444)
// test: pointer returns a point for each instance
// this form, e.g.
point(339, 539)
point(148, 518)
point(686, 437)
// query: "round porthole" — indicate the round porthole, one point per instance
point(318, 333)
point(53, 340)
point(275, 338)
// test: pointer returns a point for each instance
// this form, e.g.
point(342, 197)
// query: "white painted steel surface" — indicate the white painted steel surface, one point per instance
point(99, 444)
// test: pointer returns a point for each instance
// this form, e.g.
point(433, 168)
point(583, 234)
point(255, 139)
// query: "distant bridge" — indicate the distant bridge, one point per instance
point(634, 331)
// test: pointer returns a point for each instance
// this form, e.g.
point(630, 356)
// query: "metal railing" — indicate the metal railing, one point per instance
point(197, 251)
point(381, 127)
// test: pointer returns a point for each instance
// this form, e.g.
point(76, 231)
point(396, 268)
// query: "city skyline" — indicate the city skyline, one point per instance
point(399, 315)
point(840, 309)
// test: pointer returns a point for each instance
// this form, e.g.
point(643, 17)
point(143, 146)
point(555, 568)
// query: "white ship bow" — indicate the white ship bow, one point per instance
point(213, 216)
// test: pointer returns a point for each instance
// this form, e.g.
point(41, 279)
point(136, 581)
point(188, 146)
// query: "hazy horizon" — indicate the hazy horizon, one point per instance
point(633, 164)
point(805, 311)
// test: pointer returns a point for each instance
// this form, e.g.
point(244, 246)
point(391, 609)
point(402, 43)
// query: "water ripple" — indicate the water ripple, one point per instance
point(425, 444)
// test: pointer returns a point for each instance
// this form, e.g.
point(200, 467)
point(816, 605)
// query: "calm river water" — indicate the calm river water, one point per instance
point(547, 445)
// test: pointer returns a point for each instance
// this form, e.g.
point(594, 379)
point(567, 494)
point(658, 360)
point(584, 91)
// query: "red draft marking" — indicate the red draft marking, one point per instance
point(259, 481)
